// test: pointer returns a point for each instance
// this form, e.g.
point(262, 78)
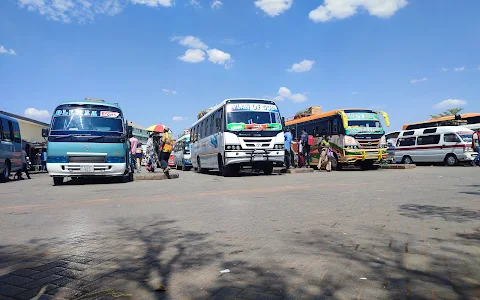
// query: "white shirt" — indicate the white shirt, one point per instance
point(476, 142)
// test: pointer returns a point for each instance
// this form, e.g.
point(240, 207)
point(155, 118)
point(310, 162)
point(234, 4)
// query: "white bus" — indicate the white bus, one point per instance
point(181, 152)
point(238, 133)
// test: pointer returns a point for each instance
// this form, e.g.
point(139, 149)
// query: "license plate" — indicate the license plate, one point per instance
point(86, 169)
point(258, 157)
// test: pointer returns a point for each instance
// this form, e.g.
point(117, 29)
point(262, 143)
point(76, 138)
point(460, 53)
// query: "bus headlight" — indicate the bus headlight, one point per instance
point(278, 146)
point(233, 147)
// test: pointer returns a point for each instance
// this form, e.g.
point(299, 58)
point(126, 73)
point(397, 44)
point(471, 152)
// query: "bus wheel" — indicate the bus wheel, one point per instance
point(451, 160)
point(57, 181)
point(335, 164)
point(6, 172)
point(268, 169)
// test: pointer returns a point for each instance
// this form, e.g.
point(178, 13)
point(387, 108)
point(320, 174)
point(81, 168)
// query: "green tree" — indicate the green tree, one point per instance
point(450, 112)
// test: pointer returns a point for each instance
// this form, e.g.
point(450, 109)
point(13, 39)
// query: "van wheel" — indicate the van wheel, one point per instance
point(407, 160)
point(6, 172)
point(451, 160)
point(57, 181)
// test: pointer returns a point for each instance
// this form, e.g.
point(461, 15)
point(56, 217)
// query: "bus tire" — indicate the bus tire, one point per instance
point(268, 169)
point(199, 166)
point(451, 160)
point(225, 171)
point(335, 164)
point(184, 168)
point(6, 172)
point(57, 181)
point(407, 160)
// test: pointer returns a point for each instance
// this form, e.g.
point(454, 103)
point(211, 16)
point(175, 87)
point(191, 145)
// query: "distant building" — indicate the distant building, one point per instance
point(139, 132)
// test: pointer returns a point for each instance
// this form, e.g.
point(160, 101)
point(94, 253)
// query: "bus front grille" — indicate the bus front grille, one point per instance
point(87, 159)
point(368, 144)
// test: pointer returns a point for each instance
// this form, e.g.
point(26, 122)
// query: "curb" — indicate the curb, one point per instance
point(294, 171)
point(155, 176)
point(397, 167)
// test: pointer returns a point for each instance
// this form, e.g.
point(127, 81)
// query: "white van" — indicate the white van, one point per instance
point(447, 144)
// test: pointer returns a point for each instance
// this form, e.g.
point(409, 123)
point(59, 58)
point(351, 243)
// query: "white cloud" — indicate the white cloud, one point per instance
point(169, 92)
point(36, 114)
point(194, 3)
point(459, 69)
point(443, 69)
point(190, 42)
point(413, 81)
point(286, 93)
point(153, 3)
point(83, 10)
point(298, 97)
point(3, 50)
point(233, 42)
point(193, 56)
point(274, 8)
point(216, 4)
point(219, 57)
point(303, 66)
point(178, 118)
point(342, 9)
point(355, 93)
point(450, 103)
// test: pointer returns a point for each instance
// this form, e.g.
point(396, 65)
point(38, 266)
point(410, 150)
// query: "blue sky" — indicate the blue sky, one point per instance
point(164, 60)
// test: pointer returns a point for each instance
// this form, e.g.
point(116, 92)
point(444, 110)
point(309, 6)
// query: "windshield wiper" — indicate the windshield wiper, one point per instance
point(103, 136)
point(67, 136)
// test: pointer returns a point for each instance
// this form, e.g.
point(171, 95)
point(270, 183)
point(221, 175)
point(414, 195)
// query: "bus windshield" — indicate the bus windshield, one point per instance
point(364, 123)
point(253, 117)
point(82, 121)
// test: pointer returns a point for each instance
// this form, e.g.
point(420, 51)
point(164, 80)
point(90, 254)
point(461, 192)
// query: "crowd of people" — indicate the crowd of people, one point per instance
point(305, 144)
point(159, 148)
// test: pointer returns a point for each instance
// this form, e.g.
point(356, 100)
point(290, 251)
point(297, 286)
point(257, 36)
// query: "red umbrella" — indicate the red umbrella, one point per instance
point(156, 128)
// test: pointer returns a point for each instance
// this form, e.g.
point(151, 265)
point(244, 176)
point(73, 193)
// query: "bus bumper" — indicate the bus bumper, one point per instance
point(254, 157)
point(377, 156)
point(80, 170)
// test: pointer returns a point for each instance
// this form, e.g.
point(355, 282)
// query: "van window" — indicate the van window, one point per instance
point(16, 133)
point(407, 133)
point(406, 142)
point(428, 140)
point(430, 130)
point(7, 132)
point(451, 138)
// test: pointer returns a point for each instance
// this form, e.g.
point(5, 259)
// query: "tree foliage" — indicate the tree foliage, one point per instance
point(450, 112)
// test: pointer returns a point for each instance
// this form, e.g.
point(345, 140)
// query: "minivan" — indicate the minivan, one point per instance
point(448, 144)
point(10, 147)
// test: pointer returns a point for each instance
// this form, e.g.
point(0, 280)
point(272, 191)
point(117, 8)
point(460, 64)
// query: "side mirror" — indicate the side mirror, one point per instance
point(45, 132)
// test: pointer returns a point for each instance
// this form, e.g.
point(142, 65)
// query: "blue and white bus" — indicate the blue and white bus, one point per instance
point(10, 147)
point(87, 138)
point(181, 152)
point(237, 133)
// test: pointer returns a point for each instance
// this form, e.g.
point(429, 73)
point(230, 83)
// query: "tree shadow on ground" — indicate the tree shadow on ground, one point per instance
point(447, 213)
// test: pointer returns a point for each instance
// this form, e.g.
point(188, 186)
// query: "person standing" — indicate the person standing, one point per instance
point(133, 153)
point(325, 160)
point(139, 158)
point(305, 147)
point(476, 146)
point(151, 154)
point(166, 149)
point(24, 165)
point(288, 148)
point(44, 160)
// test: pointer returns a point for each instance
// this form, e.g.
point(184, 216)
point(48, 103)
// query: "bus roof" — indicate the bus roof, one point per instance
point(322, 115)
point(90, 103)
point(213, 109)
point(446, 118)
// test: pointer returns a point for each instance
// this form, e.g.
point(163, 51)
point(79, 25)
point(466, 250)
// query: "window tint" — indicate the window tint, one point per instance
point(406, 142)
point(428, 139)
point(7, 130)
point(407, 133)
point(451, 138)
point(1, 130)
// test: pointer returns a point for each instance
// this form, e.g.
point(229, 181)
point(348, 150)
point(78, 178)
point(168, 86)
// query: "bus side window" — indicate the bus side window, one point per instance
point(16, 133)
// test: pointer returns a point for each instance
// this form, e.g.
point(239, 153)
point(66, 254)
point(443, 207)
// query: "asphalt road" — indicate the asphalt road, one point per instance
point(387, 234)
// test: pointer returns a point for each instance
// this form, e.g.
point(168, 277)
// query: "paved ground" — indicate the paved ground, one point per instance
point(389, 234)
